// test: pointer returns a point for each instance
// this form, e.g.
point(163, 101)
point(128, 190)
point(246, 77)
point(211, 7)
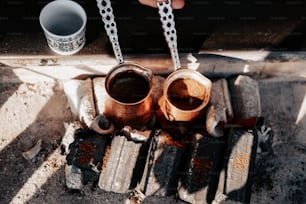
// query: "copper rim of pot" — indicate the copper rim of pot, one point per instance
point(131, 67)
point(187, 74)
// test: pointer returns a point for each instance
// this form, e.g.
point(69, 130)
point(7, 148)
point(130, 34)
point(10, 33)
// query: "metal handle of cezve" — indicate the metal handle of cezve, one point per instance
point(168, 24)
point(110, 26)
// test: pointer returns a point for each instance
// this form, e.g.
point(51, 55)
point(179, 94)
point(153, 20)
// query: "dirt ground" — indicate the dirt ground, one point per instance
point(29, 111)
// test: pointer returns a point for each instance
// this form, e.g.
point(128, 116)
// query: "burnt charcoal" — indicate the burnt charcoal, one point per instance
point(84, 149)
point(235, 179)
point(81, 133)
point(89, 176)
point(200, 180)
point(124, 166)
point(68, 138)
point(86, 153)
point(164, 163)
point(73, 177)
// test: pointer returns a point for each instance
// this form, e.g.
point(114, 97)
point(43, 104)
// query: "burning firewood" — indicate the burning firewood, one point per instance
point(204, 165)
point(80, 97)
point(68, 138)
point(73, 177)
point(238, 166)
point(147, 164)
point(124, 166)
point(163, 166)
point(220, 109)
point(86, 153)
point(245, 100)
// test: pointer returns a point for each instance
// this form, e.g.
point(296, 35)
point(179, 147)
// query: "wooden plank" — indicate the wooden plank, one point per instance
point(235, 178)
point(246, 100)
point(219, 110)
point(200, 179)
point(163, 165)
point(124, 165)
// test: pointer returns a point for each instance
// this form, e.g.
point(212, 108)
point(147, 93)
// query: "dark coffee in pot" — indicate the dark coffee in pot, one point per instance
point(186, 94)
point(129, 87)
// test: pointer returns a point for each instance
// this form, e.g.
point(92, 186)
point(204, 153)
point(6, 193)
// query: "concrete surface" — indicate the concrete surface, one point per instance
point(38, 109)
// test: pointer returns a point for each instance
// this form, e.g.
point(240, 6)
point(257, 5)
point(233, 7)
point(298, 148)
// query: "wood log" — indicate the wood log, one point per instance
point(200, 180)
point(124, 165)
point(235, 179)
point(220, 110)
point(80, 97)
point(245, 100)
point(163, 165)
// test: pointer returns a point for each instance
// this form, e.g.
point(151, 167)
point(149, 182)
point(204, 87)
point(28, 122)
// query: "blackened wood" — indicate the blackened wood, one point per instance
point(219, 109)
point(73, 177)
point(200, 180)
point(124, 166)
point(236, 177)
point(163, 166)
point(245, 100)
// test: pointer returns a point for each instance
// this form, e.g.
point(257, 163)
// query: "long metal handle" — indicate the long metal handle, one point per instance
point(168, 24)
point(106, 11)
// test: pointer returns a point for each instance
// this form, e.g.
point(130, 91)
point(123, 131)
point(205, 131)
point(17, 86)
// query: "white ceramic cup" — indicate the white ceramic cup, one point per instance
point(64, 25)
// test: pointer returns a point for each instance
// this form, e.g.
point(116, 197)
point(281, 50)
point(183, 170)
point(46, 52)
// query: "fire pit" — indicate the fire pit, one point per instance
point(34, 108)
point(197, 160)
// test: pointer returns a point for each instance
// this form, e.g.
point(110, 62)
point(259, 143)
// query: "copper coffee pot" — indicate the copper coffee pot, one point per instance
point(128, 85)
point(186, 92)
point(129, 100)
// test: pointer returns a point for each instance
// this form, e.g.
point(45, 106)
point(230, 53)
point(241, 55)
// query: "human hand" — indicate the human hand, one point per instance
point(176, 4)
